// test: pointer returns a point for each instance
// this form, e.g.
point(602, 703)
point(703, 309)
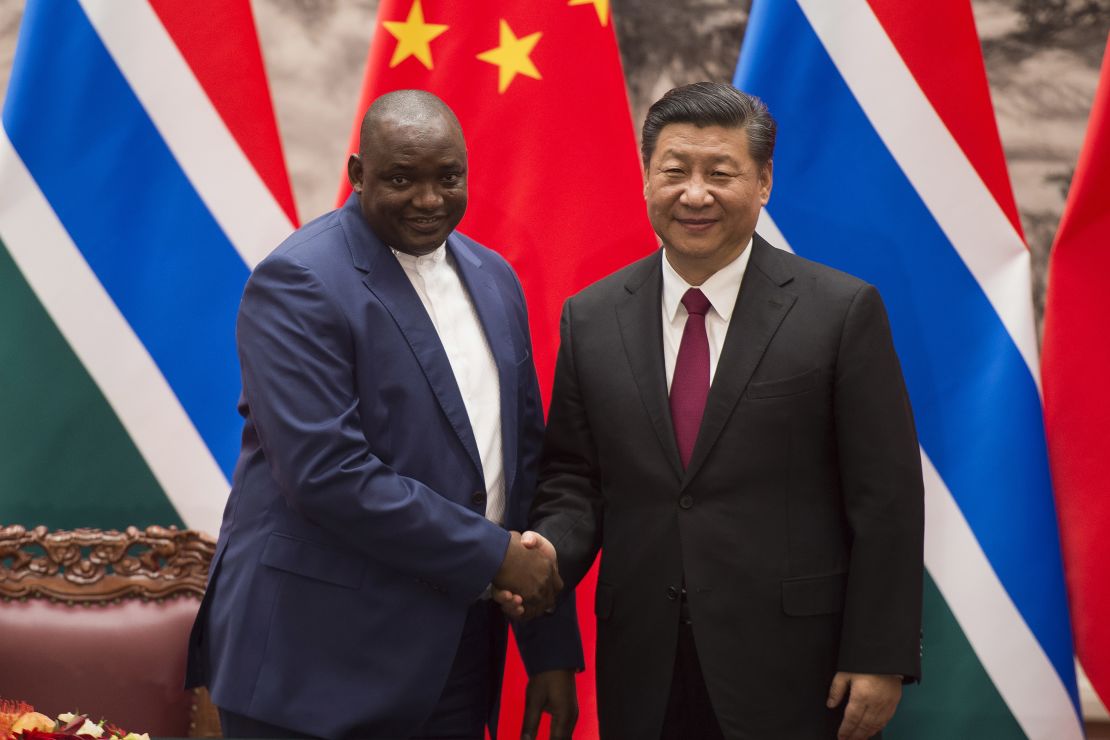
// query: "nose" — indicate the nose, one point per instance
point(695, 194)
point(427, 197)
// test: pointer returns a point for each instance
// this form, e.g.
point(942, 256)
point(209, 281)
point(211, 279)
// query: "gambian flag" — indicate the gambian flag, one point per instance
point(554, 178)
point(1076, 367)
point(141, 177)
point(889, 167)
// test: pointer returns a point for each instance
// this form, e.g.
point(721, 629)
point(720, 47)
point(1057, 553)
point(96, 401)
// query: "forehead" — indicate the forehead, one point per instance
point(688, 141)
point(429, 140)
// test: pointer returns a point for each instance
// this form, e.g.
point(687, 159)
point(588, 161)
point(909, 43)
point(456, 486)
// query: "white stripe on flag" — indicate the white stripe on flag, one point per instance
point(933, 161)
point(104, 342)
point(769, 230)
point(224, 178)
point(1007, 648)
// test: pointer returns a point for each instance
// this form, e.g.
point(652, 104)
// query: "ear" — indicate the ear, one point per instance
point(354, 172)
point(765, 180)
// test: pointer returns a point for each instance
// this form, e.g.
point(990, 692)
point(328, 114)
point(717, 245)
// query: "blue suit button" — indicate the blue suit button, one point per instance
point(478, 499)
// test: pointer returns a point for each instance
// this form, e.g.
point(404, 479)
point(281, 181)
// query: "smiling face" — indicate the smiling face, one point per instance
point(704, 192)
point(411, 181)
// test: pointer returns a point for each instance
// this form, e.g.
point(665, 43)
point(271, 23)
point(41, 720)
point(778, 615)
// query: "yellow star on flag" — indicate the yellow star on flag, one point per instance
point(413, 37)
point(601, 6)
point(511, 56)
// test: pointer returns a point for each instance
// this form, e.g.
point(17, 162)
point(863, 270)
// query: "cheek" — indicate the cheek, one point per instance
point(455, 200)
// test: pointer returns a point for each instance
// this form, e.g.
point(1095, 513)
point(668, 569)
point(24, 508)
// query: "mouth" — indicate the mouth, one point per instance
point(696, 225)
point(424, 224)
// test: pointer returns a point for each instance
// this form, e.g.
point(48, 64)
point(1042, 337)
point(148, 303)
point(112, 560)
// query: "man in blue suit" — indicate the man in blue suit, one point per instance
point(392, 427)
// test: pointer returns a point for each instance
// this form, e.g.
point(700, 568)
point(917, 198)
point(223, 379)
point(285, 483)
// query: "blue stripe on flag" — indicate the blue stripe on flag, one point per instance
point(841, 198)
point(132, 212)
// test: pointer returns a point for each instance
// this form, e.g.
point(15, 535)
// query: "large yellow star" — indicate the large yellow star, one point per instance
point(601, 6)
point(511, 56)
point(413, 36)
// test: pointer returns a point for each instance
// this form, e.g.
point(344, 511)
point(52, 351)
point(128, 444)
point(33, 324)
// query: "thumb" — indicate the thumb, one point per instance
point(837, 690)
point(530, 539)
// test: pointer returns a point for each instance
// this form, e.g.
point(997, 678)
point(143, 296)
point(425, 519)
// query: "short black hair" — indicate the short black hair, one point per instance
point(712, 104)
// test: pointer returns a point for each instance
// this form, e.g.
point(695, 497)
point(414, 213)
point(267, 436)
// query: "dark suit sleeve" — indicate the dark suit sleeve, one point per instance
point(880, 466)
point(549, 642)
point(568, 505)
point(297, 357)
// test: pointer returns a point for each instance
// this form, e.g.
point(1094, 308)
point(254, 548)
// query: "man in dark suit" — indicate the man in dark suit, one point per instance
point(729, 426)
point(393, 425)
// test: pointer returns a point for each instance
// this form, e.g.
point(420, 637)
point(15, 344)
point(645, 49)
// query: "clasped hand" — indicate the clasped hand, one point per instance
point(528, 581)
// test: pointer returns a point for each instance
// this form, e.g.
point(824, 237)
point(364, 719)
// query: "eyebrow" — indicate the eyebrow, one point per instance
point(683, 155)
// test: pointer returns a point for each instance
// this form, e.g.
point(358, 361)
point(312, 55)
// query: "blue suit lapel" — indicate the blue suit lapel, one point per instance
point(387, 280)
point(494, 317)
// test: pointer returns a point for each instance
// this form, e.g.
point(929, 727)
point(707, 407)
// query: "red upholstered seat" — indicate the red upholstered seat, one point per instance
point(98, 622)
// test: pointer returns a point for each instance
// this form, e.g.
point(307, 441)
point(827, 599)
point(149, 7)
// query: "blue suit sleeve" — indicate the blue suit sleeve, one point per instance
point(297, 354)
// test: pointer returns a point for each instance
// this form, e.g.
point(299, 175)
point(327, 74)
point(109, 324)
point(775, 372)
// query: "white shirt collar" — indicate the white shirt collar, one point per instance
point(424, 262)
point(721, 288)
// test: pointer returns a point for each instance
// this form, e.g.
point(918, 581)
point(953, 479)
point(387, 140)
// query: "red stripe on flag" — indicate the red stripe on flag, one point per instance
point(954, 81)
point(555, 180)
point(1075, 368)
point(208, 34)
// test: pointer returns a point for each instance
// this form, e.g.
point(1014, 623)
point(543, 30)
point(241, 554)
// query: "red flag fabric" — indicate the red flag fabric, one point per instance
point(1075, 368)
point(555, 180)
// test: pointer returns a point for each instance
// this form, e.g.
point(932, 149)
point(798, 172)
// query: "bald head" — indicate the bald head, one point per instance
point(410, 173)
point(415, 110)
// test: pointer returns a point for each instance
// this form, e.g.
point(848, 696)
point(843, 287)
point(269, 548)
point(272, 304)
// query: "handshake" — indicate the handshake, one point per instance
point(528, 581)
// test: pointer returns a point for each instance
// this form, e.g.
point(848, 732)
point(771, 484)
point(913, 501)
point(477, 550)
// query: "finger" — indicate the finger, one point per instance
point(836, 690)
point(533, 710)
point(530, 540)
point(504, 596)
point(853, 718)
point(562, 725)
point(514, 611)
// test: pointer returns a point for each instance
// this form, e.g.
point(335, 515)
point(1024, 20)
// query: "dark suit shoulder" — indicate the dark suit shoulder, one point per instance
point(618, 285)
point(801, 274)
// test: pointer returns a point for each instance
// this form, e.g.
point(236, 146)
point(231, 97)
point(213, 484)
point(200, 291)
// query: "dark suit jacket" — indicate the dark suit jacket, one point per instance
point(354, 538)
point(798, 525)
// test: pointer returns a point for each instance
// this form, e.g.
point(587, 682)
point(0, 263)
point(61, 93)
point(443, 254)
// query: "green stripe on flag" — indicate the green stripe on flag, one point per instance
point(956, 698)
point(65, 461)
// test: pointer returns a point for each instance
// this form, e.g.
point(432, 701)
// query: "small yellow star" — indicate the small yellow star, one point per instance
point(413, 37)
point(511, 56)
point(601, 6)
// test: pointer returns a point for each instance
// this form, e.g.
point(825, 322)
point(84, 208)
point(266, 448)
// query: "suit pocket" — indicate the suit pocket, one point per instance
point(313, 560)
point(813, 595)
point(603, 601)
point(785, 386)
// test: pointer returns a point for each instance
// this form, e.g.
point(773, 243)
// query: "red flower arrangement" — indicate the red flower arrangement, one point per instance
point(20, 721)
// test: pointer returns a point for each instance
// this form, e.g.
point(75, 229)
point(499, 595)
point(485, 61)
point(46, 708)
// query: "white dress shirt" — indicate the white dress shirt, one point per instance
point(437, 282)
point(722, 288)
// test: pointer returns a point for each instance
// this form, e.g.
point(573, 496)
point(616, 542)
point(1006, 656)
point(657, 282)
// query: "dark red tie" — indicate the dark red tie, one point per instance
point(690, 384)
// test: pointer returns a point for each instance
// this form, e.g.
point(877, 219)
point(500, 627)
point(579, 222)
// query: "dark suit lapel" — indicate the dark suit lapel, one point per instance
point(494, 318)
point(640, 317)
point(387, 280)
point(760, 308)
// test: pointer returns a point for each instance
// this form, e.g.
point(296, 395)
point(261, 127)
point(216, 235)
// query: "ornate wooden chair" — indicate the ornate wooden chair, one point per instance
point(98, 622)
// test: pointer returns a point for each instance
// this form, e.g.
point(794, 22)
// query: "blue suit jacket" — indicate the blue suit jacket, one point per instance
point(354, 539)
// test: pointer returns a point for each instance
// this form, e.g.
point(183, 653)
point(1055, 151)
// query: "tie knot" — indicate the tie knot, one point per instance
point(695, 302)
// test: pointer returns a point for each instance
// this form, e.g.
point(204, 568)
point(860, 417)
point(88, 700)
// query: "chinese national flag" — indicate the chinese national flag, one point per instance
point(1075, 368)
point(554, 176)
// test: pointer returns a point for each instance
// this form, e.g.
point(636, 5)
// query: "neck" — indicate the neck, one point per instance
point(696, 270)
